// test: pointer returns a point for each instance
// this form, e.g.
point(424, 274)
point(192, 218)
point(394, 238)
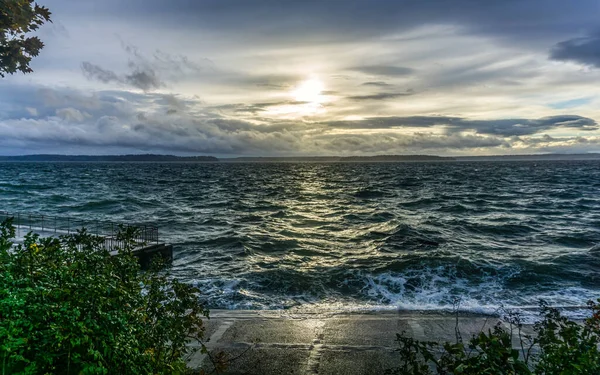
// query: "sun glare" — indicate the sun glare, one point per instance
point(309, 98)
point(309, 91)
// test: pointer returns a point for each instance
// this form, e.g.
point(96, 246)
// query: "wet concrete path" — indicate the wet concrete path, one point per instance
point(276, 342)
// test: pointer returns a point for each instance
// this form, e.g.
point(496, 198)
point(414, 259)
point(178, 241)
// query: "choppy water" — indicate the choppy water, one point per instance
point(390, 235)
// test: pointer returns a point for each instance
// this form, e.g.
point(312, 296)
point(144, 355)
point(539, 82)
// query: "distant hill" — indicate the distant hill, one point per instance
point(111, 158)
point(590, 156)
point(333, 159)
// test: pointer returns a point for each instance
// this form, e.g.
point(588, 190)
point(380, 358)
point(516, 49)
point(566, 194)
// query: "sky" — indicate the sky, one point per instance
point(292, 78)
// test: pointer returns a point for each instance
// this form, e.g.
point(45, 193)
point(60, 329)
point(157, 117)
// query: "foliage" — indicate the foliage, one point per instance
point(18, 18)
point(563, 347)
point(68, 307)
point(568, 347)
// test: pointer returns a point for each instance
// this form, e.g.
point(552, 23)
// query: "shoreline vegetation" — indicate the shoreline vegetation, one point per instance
point(291, 159)
point(70, 306)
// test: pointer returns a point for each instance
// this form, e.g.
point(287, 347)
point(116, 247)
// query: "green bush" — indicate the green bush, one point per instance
point(68, 307)
point(560, 347)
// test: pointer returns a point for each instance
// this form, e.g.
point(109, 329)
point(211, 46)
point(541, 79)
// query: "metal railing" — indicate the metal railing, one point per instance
point(48, 225)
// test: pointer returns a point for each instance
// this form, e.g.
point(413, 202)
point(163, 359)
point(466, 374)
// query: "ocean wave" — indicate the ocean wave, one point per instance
point(390, 236)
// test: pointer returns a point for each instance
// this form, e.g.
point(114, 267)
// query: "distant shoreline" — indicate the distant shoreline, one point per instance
point(109, 158)
point(155, 158)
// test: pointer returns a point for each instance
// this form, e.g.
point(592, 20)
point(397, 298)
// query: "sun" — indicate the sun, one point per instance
point(309, 98)
point(309, 91)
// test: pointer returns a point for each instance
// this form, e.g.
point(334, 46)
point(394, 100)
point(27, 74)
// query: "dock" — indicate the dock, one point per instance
point(147, 238)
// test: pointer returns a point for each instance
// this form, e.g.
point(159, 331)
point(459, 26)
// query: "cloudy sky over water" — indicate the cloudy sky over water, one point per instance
point(337, 77)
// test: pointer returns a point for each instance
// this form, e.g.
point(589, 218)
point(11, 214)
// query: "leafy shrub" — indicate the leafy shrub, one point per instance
point(568, 347)
point(562, 347)
point(68, 307)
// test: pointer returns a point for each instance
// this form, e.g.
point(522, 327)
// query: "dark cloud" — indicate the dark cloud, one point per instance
point(376, 84)
point(503, 127)
point(94, 72)
point(248, 80)
point(143, 78)
point(380, 96)
point(179, 64)
point(584, 50)
point(254, 108)
point(510, 127)
point(146, 73)
point(525, 22)
point(25, 101)
point(546, 143)
point(383, 70)
point(97, 104)
point(400, 143)
point(276, 81)
point(388, 122)
point(174, 104)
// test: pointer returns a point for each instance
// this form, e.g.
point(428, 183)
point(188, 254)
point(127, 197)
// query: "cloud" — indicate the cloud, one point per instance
point(218, 136)
point(583, 50)
point(381, 96)
point(167, 124)
point(121, 121)
point(174, 104)
point(547, 143)
point(511, 127)
point(254, 108)
point(383, 70)
point(269, 81)
point(71, 114)
point(500, 127)
point(146, 73)
point(402, 143)
point(31, 111)
point(171, 67)
point(376, 84)
point(571, 103)
point(47, 97)
point(323, 21)
point(94, 72)
point(145, 79)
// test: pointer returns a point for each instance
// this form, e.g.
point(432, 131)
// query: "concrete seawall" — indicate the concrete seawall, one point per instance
point(281, 342)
